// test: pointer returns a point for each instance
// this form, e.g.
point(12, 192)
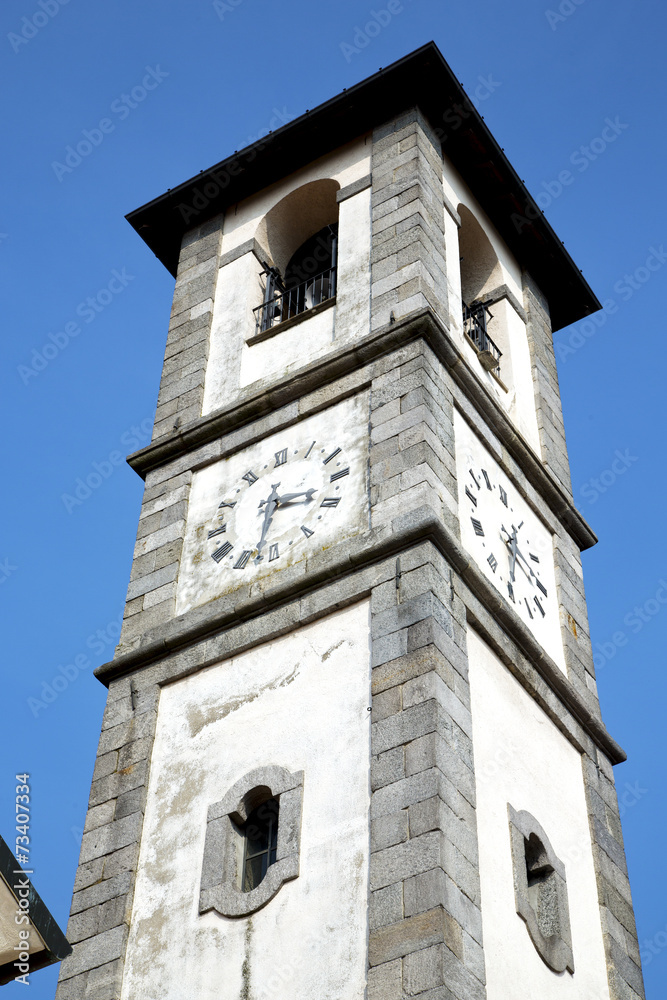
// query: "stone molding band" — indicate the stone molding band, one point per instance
point(346, 559)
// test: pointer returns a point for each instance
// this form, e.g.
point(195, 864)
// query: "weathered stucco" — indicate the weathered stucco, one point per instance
point(523, 759)
point(300, 702)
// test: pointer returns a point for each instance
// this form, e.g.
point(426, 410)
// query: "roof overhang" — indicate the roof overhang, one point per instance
point(29, 935)
point(422, 79)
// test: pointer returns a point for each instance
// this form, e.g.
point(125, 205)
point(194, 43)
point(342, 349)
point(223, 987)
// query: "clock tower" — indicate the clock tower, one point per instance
point(352, 742)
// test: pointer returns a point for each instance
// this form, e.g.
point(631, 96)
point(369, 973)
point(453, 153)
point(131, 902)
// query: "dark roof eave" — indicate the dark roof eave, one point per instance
point(421, 79)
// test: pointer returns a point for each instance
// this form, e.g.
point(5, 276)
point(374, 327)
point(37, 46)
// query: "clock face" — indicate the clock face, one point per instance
point(277, 504)
point(279, 501)
point(511, 545)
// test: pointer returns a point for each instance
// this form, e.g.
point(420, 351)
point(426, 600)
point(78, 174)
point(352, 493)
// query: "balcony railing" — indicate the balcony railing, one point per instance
point(282, 304)
point(474, 327)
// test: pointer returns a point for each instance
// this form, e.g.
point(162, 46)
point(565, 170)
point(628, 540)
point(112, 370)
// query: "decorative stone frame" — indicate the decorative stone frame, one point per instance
point(555, 948)
point(223, 848)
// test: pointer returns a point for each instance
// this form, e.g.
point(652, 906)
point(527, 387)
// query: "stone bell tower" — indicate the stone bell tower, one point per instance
point(352, 739)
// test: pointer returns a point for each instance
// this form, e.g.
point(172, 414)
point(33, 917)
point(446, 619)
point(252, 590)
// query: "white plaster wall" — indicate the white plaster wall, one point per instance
point(343, 426)
point(232, 363)
point(522, 758)
point(300, 702)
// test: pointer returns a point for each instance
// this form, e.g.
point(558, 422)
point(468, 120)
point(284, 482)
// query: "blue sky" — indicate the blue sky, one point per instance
point(86, 305)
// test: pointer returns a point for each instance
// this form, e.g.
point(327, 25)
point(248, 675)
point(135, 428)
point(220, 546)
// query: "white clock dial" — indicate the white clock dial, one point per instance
point(276, 504)
point(510, 544)
point(282, 500)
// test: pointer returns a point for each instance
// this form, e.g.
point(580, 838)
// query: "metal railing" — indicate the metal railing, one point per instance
point(474, 327)
point(281, 304)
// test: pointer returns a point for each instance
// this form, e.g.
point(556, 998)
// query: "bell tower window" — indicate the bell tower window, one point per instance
point(260, 833)
point(309, 280)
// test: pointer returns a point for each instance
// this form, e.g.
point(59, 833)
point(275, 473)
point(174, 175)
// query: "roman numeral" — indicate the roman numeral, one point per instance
point(541, 587)
point(339, 475)
point(471, 497)
point(281, 458)
point(330, 502)
point(474, 479)
point(503, 495)
point(486, 479)
point(307, 532)
point(242, 560)
point(541, 609)
point(224, 503)
point(528, 606)
point(250, 478)
point(534, 558)
point(332, 455)
point(309, 450)
point(510, 589)
point(477, 525)
point(222, 552)
point(217, 531)
point(273, 552)
point(493, 562)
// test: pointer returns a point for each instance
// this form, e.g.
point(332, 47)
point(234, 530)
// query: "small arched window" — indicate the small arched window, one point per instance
point(309, 280)
point(540, 890)
point(260, 835)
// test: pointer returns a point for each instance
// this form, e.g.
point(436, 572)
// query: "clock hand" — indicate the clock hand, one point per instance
point(288, 497)
point(270, 505)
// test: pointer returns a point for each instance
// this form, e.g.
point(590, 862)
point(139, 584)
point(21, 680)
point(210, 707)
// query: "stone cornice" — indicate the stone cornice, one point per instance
point(258, 402)
point(345, 560)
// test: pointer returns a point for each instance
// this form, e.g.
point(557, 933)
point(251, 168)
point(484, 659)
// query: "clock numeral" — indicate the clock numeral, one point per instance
point(243, 559)
point(307, 532)
point(338, 475)
point(477, 525)
point(474, 479)
point(510, 589)
point(541, 587)
point(503, 495)
point(273, 552)
point(217, 531)
point(528, 606)
point(330, 502)
point(493, 562)
point(281, 458)
point(222, 552)
point(250, 478)
point(539, 606)
point(309, 450)
point(332, 455)
point(471, 497)
point(486, 479)
point(534, 558)
point(225, 503)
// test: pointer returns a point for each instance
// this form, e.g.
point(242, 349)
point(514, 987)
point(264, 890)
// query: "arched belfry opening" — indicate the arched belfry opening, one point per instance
point(481, 273)
point(301, 235)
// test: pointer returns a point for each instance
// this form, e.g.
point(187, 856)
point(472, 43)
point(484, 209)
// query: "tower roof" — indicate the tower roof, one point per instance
point(421, 79)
